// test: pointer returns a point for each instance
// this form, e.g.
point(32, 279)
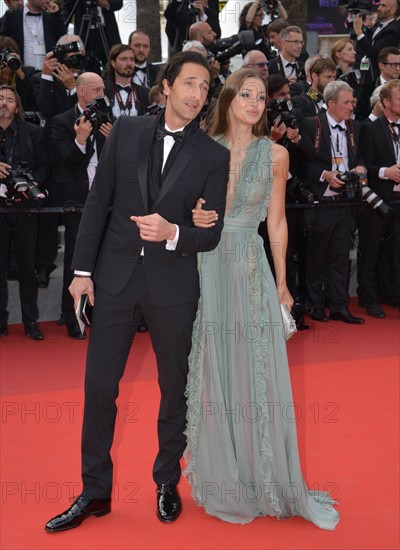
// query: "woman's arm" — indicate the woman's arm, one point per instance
point(251, 13)
point(276, 221)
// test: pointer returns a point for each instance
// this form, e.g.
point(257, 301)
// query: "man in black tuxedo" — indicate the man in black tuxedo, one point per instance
point(333, 140)
point(143, 259)
point(287, 63)
point(78, 146)
point(145, 73)
point(20, 141)
point(380, 233)
point(36, 28)
point(105, 18)
point(126, 97)
point(312, 101)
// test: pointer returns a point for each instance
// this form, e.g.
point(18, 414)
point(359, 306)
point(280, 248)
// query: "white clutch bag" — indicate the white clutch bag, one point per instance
point(289, 324)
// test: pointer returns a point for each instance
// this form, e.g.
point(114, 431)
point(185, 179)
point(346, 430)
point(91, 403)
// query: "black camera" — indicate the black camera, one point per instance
point(20, 180)
point(91, 6)
point(351, 189)
point(297, 191)
point(362, 7)
point(98, 111)
point(353, 77)
point(34, 117)
point(9, 58)
point(154, 109)
point(281, 109)
point(372, 199)
point(76, 61)
point(233, 45)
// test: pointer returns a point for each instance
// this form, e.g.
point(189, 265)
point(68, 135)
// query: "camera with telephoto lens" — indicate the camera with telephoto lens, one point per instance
point(98, 111)
point(372, 199)
point(362, 7)
point(281, 109)
point(154, 109)
point(20, 180)
point(9, 58)
point(61, 52)
point(352, 78)
point(233, 45)
point(351, 189)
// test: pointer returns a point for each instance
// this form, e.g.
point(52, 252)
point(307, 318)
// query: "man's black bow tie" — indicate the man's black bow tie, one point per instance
point(378, 25)
point(293, 65)
point(162, 132)
point(126, 89)
point(143, 69)
point(338, 127)
point(395, 125)
point(34, 14)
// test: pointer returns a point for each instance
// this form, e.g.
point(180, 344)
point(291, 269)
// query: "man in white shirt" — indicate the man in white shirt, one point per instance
point(287, 62)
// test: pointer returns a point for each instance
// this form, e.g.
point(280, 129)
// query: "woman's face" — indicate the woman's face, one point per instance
point(258, 19)
point(248, 105)
point(347, 54)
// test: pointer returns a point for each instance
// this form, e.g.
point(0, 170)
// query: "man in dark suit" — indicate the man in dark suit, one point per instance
point(104, 18)
point(35, 28)
point(78, 145)
point(145, 73)
point(126, 97)
point(143, 258)
point(311, 102)
point(181, 15)
point(381, 232)
point(20, 141)
point(333, 145)
point(287, 63)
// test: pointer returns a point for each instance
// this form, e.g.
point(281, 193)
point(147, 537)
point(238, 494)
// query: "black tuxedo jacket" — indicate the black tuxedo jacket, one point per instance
point(199, 170)
point(71, 174)
point(306, 104)
point(32, 149)
point(152, 72)
point(378, 150)
point(111, 26)
point(276, 66)
point(53, 28)
point(388, 36)
point(142, 94)
point(316, 161)
point(51, 97)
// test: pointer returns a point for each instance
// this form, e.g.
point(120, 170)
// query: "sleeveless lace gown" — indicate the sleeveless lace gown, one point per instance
point(242, 456)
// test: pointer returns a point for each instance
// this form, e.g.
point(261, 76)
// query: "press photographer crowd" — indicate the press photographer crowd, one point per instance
point(338, 117)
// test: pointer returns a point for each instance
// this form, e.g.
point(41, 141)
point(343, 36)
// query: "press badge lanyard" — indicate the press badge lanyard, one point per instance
point(128, 104)
point(395, 138)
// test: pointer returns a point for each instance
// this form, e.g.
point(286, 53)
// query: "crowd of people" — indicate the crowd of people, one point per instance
point(52, 79)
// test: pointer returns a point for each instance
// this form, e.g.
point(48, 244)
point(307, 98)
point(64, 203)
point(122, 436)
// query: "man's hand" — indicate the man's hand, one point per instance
point(293, 134)
point(331, 178)
point(154, 228)
point(80, 286)
point(215, 67)
point(105, 129)
point(50, 64)
point(278, 130)
point(83, 128)
point(49, 6)
point(393, 173)
point(4, 170)
point(104, 4)
point(65, 75)
point(358, 25)
point(203, 218)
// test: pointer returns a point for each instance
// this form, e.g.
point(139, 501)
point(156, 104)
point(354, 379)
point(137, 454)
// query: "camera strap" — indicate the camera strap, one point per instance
point(131, 99)
point(395, 137)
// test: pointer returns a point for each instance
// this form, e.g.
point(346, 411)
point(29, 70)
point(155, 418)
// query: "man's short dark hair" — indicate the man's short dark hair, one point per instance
point(275, 82)
point(277, 26)
point(115, 51)
point(322, 65)
point(173, 67)
point(385, 52)
point(138, 31)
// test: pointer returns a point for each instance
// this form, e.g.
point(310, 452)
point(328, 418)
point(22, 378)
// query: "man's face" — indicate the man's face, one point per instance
point(14, 4)
point(94, 87)
point(283, 93)
point(392, 105)
point(259, 62)
point(186, 96)
point(387, 10)
point(291, 47)
point(8, 106)
point(320, 81)
point(342, 108)
point(140, 44)
point(391, 68)
point(124, 64)
point(208, 36)
point(275, 40)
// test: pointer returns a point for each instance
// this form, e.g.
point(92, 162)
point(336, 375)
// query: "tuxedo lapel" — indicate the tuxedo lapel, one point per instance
point(143, 160)
point(326, 135)
point(386, 132)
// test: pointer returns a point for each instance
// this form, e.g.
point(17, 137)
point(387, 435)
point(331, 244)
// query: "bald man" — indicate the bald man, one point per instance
point(254, 59)
point(203, 33)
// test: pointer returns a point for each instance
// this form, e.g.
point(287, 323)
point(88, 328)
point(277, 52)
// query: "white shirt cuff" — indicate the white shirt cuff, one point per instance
point(171, 245)
point(83, 273)
point(360, 36)
point(81, 147)
point(322, 178)
point(381, 173)
point(48, 77)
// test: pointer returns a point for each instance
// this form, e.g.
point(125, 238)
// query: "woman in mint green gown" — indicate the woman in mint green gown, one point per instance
point(242, 453)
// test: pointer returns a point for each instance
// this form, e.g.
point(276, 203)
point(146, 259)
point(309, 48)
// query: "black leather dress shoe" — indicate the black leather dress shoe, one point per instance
point(33, 331)
point(82, 508)
point(319, 315)
point(345, 316)
point(3, 329)
point(375, 310)
point(169, 504)
point(75, 332)
point(42, 278)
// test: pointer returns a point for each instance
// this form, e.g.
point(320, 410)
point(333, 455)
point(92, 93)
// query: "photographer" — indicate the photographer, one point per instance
point(333, 142)
point(378, 229)
point(13, 73)
point(35, 28)
point(287, 63)
point(78, 135)
point(23, 162)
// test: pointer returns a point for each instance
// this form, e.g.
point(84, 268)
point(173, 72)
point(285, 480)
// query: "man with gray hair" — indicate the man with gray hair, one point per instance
point(333, 141)
point(287, 62)
point(254, 59)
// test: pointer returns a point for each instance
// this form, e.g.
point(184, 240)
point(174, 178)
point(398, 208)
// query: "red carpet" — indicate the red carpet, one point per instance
point(345, 385)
